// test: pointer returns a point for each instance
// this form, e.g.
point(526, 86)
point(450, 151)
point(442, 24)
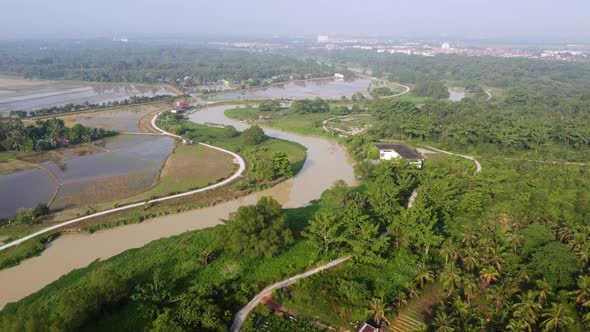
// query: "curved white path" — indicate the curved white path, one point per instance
point(478, 167)
point(237, 174)
point(241, 315)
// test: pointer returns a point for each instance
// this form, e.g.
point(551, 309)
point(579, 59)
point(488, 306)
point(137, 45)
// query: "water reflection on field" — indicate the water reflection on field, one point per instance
point(124, 165)
point(327, 89)
point(32, 95)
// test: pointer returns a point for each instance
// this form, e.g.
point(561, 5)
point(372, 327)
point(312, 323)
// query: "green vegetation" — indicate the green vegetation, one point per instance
point(45, 135)
point(432, 89)
point(257, 230)
point(146, 63)
point(381, 92)
point(159, 287)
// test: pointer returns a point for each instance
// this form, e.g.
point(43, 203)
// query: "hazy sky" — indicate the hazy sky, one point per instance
point(534, 19)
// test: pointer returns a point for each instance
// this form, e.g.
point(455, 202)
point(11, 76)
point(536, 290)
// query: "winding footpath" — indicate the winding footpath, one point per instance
point(237, 174)
point(478, 167)
point(241, 315)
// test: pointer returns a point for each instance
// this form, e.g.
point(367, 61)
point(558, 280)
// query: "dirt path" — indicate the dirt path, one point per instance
point(478, 167)
point(237, 174)
point(241, 315)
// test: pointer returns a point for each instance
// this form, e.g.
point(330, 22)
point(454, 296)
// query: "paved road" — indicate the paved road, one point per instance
point(489, 93)
point(241, 315)
point(237, 174)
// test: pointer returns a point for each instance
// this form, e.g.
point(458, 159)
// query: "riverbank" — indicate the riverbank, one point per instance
point(325, 163)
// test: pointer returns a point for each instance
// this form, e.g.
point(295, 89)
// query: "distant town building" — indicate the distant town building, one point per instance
point(446, 46)
point(264, 118)
point(323, 39)
point(338, 76)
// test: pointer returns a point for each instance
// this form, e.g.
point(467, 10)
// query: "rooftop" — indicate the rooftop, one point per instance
point(403, 150)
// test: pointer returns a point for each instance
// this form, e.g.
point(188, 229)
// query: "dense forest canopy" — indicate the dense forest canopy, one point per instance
point(492, 71)
point(116, 62)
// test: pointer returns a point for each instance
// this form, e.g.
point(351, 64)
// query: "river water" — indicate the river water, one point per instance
point(326, 163)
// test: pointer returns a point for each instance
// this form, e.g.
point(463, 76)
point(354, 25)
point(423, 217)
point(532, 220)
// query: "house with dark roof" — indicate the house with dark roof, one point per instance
point(400, 151)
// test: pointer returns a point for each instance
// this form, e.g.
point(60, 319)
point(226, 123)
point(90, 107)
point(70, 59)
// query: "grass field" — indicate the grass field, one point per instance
point(304, 124)
point(189, 167)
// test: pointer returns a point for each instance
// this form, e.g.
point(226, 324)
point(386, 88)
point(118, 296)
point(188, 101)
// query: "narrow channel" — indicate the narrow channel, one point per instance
point(326, 163)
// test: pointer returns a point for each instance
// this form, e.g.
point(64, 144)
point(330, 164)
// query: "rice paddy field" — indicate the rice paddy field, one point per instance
point(27, 95)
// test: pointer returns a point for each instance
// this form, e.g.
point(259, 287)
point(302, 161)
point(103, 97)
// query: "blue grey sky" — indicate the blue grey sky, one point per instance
point(534, 19)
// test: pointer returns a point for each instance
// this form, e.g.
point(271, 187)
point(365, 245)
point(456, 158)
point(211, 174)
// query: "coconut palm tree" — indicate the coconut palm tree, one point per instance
point(450, 278)
point(489, 274)
point(556, 318)
point(469, 238)
point(424, 275)
point(517, 325)
point(470, 260)
point(470, 288)
point(449, 252)
point(443, 322)
point(545, 291)
point(378, 310)
point(515, 239)
point(583, 252)
point(582, 294)
point(527, 309)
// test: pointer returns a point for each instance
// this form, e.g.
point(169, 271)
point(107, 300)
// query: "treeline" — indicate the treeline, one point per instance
point(88, 106)
point(520, 122)
point(115, 62)
point(492, 71)
point(432, 89)
point(45, 135)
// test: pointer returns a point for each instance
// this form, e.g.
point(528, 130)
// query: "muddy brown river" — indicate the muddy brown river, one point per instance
point(326, 163)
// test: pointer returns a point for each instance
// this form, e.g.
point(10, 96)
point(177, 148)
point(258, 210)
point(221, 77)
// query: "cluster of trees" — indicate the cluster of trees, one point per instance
point(317, 105)
point(257, 230)
point(504, 126)
point(88, 106)
point(432, 89)
point(105, 61)
point(32, 216)
point(45, 134)
point(269, 105)
point(273, 167)
point(490, 71)
point(380, 92)
point(253, 135)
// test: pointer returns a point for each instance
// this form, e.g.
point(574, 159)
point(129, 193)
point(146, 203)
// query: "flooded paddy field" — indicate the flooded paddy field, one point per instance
point(111, 169)
point(27, 95)
point(121, 119)
point(322, 88)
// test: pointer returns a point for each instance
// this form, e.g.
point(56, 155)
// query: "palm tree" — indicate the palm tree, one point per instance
point(424, 274)
point(515, 239)
point(582, 294)
point(517, 325)
point(460, 308)
point(489, 274)
point(583, 252)
point(469, 238)
point(378, 310)
point(527, 309)
point(470, 288)
point(469, 259)
point(556, 318)
point(450, 278)
point(545, 291)
point(449, 252)
point(443, 322)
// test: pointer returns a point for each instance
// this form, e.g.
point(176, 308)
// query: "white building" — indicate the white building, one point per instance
point(323, 39)
point(400, 151)
point(446, 46)
point(339, 77)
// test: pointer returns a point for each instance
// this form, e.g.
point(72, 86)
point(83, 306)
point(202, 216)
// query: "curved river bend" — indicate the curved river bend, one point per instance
point(326, 163)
